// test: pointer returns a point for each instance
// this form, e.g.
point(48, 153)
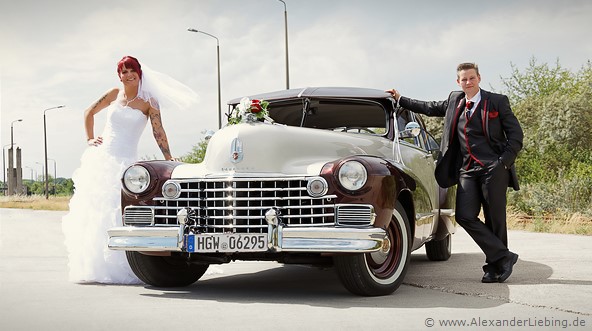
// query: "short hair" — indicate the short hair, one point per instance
point(467, 66)
point(129, 62)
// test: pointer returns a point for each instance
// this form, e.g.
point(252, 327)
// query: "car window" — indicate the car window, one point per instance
point(287, 112)
point(432, 143)
point(424, 140)
point(421, 139)
point(354, 116)
point(428, 142)
point(403, 117)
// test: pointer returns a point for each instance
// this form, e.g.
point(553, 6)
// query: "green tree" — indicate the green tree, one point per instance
point(198, 151)
point(539, 80)
point(554, 105)
point(65, 186)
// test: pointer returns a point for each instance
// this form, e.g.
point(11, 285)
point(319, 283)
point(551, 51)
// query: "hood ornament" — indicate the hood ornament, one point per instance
point(236, 151)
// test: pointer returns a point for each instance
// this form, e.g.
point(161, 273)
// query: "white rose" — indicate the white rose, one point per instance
point(245, 105)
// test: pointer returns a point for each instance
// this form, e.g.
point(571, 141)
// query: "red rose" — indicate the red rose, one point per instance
point(493, 114)
point(256, 106)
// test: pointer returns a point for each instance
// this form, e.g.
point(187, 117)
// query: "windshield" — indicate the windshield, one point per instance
point(357, 116)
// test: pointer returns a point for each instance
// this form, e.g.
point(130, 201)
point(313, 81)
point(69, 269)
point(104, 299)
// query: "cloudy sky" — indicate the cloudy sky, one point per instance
point(64, 52)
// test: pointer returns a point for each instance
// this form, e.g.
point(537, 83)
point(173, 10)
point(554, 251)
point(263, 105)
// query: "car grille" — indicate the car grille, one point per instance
point(138, 216)
point(239, 204)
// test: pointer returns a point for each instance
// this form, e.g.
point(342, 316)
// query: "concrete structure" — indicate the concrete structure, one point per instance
point(14, 174)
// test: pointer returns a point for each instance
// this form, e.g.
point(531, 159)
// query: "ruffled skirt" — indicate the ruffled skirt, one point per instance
point(94, 208)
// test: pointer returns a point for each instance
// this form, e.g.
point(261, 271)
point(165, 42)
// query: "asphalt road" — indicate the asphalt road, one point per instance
point(551, 289)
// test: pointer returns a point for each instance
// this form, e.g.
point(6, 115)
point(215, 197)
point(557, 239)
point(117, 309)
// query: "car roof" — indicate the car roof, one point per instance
point(319, 92)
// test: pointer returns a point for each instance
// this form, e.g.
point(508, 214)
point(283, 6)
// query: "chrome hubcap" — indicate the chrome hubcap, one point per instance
point(381, 255)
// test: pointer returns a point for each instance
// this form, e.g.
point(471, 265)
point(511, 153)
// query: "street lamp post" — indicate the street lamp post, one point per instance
point(4, 169)
point(42, 171)
point(218, 58)
point(12, 131)
point(286, 33)
point(45, 141)
point(55, 175)
point(11, 187)
point(31, 173)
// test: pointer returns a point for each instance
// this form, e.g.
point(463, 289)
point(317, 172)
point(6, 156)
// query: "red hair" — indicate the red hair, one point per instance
point(129, 62)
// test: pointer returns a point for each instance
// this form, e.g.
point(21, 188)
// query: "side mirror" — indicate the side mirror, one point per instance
point(412, 130)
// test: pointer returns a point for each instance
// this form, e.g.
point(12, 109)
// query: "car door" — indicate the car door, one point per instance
point(418, 156)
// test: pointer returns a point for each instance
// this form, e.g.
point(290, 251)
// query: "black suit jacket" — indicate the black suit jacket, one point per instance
point(500, 125)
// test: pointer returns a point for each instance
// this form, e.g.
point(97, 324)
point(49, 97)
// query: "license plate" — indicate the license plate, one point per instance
point(225, 243)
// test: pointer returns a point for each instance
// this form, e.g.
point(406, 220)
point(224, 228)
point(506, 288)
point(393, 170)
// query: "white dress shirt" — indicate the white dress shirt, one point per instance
point(476, 99)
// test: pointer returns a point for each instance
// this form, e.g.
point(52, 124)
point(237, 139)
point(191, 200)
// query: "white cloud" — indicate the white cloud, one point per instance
point(64, 52)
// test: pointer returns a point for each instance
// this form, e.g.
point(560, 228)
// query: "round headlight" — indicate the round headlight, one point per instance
point(352, 175)
point(171, 190)
point(317, 187)
point(136, 179)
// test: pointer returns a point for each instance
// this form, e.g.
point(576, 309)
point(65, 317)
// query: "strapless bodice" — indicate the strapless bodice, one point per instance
point(123, 130)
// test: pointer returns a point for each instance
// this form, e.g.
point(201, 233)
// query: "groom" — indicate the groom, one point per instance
point(480, 142)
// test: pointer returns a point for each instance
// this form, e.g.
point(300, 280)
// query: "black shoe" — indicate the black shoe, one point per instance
point(490, 277)
point(506, 266)
point(491, 274)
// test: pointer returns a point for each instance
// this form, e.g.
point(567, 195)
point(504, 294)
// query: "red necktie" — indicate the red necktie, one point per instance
point(469, 105)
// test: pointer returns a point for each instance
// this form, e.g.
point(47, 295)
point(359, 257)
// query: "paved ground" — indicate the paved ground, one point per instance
point(550, 289)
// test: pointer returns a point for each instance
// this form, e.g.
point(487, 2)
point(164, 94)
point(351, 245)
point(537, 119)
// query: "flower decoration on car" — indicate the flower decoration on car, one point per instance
point(248, 111)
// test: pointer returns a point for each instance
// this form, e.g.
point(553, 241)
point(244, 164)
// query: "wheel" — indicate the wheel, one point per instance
point(164, 271)
point(439, 250)
point(381, 272)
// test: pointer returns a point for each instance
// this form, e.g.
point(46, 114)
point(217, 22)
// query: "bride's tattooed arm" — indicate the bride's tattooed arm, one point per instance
point(89, 113)
point(159, 134)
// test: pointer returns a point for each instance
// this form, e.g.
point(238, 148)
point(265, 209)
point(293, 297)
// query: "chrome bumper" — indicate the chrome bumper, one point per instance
point(280, 239)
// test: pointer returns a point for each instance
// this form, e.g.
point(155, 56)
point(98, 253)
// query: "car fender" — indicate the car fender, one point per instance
point(386, 183)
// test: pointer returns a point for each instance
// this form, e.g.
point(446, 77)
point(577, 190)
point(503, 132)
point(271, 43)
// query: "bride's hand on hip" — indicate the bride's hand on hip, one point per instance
point(95, 141)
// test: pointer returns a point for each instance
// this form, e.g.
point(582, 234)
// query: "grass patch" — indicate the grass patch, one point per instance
point(37, 202)
point(568, 224)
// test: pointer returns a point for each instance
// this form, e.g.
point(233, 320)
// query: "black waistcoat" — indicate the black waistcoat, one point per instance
point(474, 147)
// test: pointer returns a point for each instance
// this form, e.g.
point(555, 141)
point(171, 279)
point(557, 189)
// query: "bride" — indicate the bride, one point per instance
point(95, 205)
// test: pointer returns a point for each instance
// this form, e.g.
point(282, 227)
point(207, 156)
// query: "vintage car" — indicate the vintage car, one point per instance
point(328, 176)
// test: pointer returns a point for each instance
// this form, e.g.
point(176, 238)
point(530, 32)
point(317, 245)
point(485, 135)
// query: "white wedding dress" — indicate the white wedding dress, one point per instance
point(96, 203)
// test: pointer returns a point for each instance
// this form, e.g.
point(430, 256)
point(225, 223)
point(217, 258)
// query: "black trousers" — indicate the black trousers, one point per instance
point(485, 186)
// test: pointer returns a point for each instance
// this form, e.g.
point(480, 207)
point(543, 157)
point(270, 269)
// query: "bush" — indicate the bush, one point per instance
point(564, 197)
point(554, 107)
